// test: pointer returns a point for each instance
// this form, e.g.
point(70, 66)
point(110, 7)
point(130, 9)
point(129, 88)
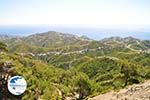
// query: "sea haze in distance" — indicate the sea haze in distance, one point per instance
point(93, 32)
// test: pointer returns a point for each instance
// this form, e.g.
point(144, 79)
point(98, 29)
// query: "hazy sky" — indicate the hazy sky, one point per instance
point(89, 12)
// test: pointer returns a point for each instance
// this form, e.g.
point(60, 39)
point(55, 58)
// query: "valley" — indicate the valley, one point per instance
point(71, 67)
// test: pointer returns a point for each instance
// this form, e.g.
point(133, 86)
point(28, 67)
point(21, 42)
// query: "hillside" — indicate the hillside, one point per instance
point(133, 92)
point(72, 67)
point(41, 42)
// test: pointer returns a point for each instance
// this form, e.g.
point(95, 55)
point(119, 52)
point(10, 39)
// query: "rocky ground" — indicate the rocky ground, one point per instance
point(133, 92)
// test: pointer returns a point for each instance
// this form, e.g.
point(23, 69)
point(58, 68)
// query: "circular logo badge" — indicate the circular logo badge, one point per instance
point(17, 85)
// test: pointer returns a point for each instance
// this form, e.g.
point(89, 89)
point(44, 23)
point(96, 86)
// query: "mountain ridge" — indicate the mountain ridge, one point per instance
point(52, 39)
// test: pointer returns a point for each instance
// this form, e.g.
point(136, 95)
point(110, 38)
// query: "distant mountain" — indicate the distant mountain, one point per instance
point(50, 40)
point(129, 42)
point(42, 41)
point(5, 37)
point(53, 39)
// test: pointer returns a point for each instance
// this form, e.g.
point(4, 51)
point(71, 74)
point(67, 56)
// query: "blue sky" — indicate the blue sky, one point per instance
point(83, 12)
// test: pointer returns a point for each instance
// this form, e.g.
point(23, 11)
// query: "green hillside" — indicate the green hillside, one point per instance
point(57, 66)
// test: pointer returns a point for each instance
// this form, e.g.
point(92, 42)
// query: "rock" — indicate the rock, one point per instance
point(133, 92)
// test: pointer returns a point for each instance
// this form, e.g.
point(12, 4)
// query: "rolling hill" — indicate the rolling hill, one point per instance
point(72, 67)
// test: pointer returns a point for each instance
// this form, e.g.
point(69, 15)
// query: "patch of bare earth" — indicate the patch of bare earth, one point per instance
point(133, 92)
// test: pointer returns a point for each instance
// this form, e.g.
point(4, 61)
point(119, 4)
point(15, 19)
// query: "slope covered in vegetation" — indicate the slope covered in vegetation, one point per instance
point(58, 66)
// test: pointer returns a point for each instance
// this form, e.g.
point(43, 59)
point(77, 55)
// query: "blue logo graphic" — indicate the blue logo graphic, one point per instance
point(17, 85)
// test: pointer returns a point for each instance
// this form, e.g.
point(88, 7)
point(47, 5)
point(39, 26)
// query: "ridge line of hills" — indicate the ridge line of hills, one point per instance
point(59, 40)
